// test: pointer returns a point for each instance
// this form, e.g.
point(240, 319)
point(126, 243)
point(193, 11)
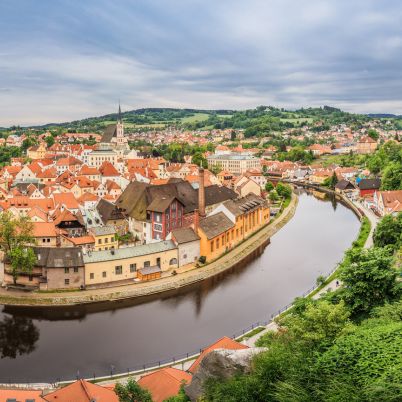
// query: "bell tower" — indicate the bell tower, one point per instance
point(119, 127)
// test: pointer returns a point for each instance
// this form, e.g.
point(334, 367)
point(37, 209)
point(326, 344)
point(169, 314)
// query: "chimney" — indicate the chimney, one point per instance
point(201, 192)
point(196, 221)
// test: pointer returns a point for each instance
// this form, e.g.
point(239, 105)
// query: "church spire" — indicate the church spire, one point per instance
point(119, 117)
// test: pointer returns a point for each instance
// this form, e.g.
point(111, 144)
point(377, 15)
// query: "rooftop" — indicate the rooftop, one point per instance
point(129, 252)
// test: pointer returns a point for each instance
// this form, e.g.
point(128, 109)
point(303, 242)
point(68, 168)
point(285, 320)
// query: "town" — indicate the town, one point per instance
point(110, 213)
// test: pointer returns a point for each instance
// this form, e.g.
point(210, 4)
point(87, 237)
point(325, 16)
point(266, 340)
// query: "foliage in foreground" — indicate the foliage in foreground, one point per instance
point(344, 346)
point(132, 392)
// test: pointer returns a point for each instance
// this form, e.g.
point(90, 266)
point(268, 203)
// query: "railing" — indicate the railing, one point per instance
point(180, 359)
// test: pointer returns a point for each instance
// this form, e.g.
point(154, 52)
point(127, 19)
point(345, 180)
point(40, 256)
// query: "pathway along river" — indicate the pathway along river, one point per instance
point(45, 344)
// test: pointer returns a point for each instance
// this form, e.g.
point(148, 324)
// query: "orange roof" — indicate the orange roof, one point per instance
point(223, 343)
point(87, 197)
point(107, 169)
point(86, 170)
point(20, 395)
point(66, 199)
point(164, 383)
point(81, 391)
point(50, 173)
point(79, 241)
point(44, 229)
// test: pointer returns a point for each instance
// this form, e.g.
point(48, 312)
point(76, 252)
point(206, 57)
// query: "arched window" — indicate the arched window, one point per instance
point(173, 261)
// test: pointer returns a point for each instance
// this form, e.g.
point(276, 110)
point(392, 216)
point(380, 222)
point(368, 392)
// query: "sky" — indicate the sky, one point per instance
point(62, 60)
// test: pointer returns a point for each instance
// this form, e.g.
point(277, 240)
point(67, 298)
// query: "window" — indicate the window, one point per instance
point(118, 269)
point(158, 227)
point(223, 240)
point(106, 240)
point(43, 240)
point(212, 246)
point(48, 240)
point(66, 270)
point(66, 281)
point(133, 267)
point(217, 243)
point(147, 264)
point(91, 276)
point(99, 241)
point(104, 274)
point(173, 261)
point(75, 269)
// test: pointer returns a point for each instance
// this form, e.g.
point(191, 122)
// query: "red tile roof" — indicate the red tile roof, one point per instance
point(164, 383)
point(82, 391)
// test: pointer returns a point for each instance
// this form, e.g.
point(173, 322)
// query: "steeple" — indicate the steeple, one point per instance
point(119, 117)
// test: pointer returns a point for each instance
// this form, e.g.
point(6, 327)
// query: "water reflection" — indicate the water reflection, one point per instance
point(18, 336)
point(90, 338)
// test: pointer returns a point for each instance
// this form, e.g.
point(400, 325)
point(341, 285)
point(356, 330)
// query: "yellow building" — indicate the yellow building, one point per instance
point(230, 223)
point(125, 263)
point(105, 237)
point(37, 151)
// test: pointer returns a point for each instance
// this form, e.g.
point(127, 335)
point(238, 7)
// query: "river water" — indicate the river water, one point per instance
point(45, 344)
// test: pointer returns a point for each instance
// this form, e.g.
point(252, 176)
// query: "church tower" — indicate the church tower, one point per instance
point(119, 128)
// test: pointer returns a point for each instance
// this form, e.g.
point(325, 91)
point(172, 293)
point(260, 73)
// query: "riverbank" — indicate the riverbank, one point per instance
point(227, 261)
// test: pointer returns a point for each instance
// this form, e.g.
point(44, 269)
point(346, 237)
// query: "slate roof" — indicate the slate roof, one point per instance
point(138, 196)
point(59, 257)
point(214, 225)
point(103, 230)
point(184, 235)
point(344, 184)
point(108, 211)
point(129, 252)
point(369, 184)
point(109, 133)
point(245, 204)
point(160, 204)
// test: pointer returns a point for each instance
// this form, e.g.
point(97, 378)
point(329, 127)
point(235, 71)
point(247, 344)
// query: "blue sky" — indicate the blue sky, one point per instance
point(68, 59)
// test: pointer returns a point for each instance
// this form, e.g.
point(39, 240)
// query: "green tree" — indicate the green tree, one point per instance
point(373, 134)
point(331, 182)
point(369, 279)
point(199, 160)
point(49, 140)
point(392, 177)
point(318, 325)
point(22, 260)
point(388, 231)
point(269, 186)
point(15, 240)
point(132, 392)
point(273, 196)
point(284, 190)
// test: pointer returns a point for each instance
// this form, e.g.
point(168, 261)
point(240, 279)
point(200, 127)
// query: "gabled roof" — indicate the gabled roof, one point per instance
point(223, 343)
point(215, 225)
point(184, 235)
point(164, 383)
point(109, 133)
point(66, 199)
point(369, 184)
point(108, 211)
point(83, 391)
point(107, 169)
point(344, 185)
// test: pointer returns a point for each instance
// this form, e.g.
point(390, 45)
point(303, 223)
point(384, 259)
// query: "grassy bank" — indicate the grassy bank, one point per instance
point(359, 243)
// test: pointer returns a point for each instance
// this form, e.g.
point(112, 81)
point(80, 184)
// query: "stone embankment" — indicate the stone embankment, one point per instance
point(227, 261)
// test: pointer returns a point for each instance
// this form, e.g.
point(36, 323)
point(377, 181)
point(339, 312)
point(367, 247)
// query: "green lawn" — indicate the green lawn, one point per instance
point(195, 118)
point(297, 120)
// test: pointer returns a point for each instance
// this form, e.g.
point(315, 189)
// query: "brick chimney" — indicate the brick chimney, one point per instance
point(201, 192)
point(196, 221)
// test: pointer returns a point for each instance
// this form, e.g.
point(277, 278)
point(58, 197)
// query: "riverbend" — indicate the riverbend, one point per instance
point(50, 344)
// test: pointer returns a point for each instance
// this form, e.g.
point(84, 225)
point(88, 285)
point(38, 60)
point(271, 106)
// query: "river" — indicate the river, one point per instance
point(43, 344)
